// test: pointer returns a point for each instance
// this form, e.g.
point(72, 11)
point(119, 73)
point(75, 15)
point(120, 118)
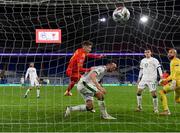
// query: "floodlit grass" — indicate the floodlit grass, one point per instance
point(46, 114)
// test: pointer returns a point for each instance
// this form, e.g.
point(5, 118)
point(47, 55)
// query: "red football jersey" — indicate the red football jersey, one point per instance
point(76, 63)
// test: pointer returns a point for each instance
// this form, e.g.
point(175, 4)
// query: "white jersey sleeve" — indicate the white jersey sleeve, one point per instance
point(36, 73)
point(140, 74)
point(158, 66)
point(156, 62)
point(27, 73)
point(141, 64)
point(99, 70)
point(140, 71)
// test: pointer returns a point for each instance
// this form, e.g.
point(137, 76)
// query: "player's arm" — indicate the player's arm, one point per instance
point(100, 82)
point(36, 75)
point(93, 76)
point(140, 72)
point(176, 75)
point(158, 66)
point(161, 81)
point(27, 73)
point(160, 72)
point(80, 67)
point(95, 56)
point(140, 75)
point(173, 83)
point(159, 69)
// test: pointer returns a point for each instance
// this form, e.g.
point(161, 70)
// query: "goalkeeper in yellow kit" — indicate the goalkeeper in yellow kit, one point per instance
point(174, 82)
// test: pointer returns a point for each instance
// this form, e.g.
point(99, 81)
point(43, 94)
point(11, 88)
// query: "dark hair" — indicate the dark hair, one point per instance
point(86, 43)
point(110, 61)
point(147, 50)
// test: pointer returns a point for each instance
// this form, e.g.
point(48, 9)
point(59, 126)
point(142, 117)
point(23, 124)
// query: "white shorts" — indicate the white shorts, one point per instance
point(151, 85)
point(87, 91)
point(34, 82)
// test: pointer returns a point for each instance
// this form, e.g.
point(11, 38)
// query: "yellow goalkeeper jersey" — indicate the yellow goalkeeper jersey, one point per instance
point(174, 69)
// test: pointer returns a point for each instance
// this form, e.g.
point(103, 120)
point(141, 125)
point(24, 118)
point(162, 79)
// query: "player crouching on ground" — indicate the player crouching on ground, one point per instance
point(33, 78)
point(89, 87)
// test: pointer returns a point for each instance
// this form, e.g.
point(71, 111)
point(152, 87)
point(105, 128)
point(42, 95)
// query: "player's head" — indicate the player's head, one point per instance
point(172, 53)
point(111, 67)
point(87, 46)
point(31, 64)
point(147, 53)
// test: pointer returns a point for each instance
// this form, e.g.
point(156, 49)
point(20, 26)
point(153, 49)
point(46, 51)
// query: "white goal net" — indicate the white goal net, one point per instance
point(81, 20)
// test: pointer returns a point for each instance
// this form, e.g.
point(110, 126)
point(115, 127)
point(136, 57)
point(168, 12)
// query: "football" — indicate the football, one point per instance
point(121, 14)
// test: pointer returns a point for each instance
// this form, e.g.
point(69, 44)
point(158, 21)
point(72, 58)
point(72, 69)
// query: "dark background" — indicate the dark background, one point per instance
point(79, 21)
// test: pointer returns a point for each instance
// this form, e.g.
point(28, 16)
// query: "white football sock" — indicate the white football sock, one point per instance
point(155, 103)
point(38, 92)
point(139, 101)
point(79, 108)
point(102, 107)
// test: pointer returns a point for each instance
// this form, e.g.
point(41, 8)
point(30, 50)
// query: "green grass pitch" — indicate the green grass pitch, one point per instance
point(46, 114)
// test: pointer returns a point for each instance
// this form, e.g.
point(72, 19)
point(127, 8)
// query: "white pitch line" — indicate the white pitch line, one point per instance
point(96, 123)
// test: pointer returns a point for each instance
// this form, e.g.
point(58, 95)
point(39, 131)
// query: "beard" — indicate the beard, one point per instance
point(170, 57)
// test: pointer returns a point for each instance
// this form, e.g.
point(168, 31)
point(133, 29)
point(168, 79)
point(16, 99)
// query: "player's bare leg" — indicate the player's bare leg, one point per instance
point(28, 90)
point(155, 102)
point(68, 90)
point(85, 107)
point(89, 107)
point(71, 84)
point(73, 81)
point(139, 100)
point(101, 104)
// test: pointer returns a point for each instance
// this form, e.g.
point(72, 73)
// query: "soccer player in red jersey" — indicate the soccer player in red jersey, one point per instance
point(75, 66)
